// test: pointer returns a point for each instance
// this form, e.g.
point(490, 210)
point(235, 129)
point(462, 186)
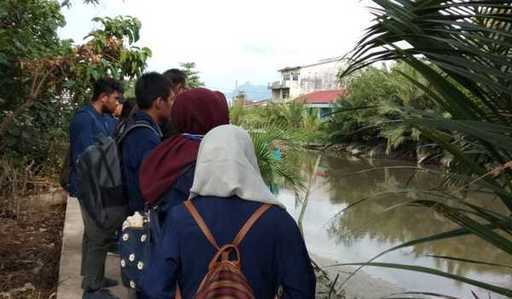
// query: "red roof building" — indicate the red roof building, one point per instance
point(321, 101)
point(325, 97)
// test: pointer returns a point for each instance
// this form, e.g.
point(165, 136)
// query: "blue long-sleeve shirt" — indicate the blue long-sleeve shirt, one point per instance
point(272, 254)
point(135, 147)
point(85, 126)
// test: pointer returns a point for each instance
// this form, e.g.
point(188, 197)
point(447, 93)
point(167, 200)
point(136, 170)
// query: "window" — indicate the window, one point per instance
point(318, 83)
point(286, 76)
point(286, 93)
point(324, 112)
point(295, 76)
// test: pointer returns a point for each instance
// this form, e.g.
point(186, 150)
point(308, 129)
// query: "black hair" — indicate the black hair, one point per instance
point(107, 86)
point(127, 108)
point(175, 76)
point(149, 87)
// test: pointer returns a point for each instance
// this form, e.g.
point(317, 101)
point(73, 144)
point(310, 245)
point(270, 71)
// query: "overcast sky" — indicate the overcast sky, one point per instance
point(242, 40)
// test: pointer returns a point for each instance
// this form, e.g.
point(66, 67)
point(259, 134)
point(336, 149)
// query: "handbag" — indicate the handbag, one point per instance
point(135, 245)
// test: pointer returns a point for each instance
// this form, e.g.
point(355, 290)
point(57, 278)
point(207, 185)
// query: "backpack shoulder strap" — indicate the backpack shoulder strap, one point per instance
point(250, 222)
point(130, 127)
point(200, 222)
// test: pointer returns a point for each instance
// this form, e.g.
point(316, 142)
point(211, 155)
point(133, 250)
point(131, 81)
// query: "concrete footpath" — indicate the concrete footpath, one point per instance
point(69, 272)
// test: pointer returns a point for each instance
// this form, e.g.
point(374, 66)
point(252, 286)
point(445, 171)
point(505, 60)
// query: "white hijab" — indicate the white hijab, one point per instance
point(227, 166)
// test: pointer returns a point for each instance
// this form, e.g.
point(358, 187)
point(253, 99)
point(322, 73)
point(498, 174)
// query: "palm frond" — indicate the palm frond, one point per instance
point(477, 283)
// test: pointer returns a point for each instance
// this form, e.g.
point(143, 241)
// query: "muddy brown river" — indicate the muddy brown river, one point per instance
point(370, 228)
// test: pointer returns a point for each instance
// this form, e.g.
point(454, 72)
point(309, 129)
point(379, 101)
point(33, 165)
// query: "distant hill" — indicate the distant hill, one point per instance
point(252, 92)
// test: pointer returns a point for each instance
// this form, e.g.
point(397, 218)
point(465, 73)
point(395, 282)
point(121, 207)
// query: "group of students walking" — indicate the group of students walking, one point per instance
point(223, 233)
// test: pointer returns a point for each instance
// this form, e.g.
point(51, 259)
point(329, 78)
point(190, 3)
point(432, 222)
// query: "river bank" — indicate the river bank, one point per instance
point(427, 155)
point(361, 286)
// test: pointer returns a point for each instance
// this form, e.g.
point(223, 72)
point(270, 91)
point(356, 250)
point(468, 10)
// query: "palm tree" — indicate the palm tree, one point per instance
point(463, 48)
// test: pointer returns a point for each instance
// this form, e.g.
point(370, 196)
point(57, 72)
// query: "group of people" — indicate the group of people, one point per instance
point(204, 171)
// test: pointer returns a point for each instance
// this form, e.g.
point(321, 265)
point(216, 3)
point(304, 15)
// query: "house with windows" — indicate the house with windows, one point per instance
point(321, 102)
point(300, 80)
point(315, 85)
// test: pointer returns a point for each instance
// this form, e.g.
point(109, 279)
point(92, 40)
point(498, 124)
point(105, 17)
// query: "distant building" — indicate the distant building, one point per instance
point(253, 92)
point(242, 100)
point(261, 103)
point(322, 102)
point(300, 80)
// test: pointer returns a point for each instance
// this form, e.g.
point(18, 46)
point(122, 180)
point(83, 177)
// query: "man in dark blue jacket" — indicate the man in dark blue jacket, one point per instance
point(93, 120)
point(154, 99)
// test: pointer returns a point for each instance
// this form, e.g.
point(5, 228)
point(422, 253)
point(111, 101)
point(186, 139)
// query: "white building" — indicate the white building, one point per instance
point(300, 80)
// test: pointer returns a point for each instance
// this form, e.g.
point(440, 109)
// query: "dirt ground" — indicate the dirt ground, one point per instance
point(30, 246)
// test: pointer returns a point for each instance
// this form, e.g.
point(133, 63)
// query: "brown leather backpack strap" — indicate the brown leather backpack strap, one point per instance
point(178, 293)
point(200, 222)
point(250, 222)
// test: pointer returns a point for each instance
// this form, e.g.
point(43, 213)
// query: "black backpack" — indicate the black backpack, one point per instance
point(101, 190)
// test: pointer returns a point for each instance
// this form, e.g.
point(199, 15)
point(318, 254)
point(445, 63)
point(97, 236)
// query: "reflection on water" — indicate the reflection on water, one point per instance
point(370, 227)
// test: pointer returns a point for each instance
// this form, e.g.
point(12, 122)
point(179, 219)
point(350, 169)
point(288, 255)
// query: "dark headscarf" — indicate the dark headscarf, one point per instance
point(195, 111)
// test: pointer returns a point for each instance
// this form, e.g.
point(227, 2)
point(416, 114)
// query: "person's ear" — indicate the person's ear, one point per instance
point(103, 97)
point(158, 103)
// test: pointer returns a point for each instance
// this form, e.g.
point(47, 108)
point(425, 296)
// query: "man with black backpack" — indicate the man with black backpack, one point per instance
point(91, 122)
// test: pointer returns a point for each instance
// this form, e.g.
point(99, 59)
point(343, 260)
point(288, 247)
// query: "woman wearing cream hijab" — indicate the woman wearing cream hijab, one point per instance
point(227, 190)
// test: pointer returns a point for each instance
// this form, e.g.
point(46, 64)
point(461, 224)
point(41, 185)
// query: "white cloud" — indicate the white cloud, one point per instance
point(234, 40)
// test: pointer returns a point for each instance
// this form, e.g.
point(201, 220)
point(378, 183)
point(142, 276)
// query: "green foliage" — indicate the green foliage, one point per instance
point(28, 33)
point(466, 54)
point(28, 30)
point(109, 51)
point(285, 126)
point(237, 114)
point(45, 79)
point(371, 111)
point(302, 125)
point(311, 125)
point(284, 171)
point(193, 80)
point(292, 113)
point(68, 4)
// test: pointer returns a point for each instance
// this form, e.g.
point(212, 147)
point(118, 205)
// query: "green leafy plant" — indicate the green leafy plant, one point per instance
point(463, 51)
point(45, 79)
point(270, 131)
point(276, 171)
point(193, 79)
point(370, 112)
